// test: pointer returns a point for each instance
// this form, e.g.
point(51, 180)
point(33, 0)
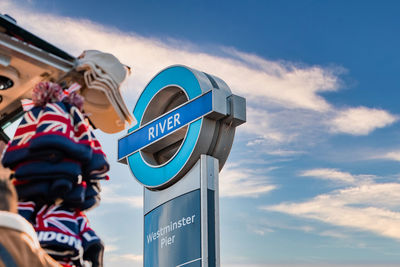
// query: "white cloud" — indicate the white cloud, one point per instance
point(392, 155)
point(361, 120)
point(259, 124)
point(277, 129)
point(284, 101)
point(368, 208)
point(330, 174)
point(264, 226)
point(258, 79)
point(110, 248)
point(112, 195)
point(132, 257)
point(118, 260)
point(285, 153)
point(260, 230)
point(338, 176)
point(243, 183)
point(334, 234)
point(286, 83)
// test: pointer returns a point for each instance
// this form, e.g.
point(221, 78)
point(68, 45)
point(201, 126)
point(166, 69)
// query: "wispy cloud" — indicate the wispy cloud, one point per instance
point(284, 99)
point(394, 155)
point(329, 174)
point(134, 260)
point(371, 207)
point(389, 155)
point(258, 79)
point(110, 248)
point(337, 176)
point(265, 226)
point(132, 257)
point(334, 234)
point(260, 230)
point(244, 182)
point(361, 120)
point(285, 104)
point(112, 195)
point(258, 123)
point(285, 153)
point(285, 83)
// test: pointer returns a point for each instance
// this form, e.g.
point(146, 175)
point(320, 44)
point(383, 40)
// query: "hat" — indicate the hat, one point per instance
point(58, 230)
point(103, 75)
point(56, 130)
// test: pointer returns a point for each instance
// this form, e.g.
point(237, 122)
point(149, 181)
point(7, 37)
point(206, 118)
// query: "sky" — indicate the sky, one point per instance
point(313, 178)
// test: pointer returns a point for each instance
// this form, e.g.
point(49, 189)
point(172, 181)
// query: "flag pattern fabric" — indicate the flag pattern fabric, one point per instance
point(66, 235)
point(17, 150)
point(53, 151)
point(57, 165)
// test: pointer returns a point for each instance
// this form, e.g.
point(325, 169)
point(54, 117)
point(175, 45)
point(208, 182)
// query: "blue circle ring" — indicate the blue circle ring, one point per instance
point(157, 176)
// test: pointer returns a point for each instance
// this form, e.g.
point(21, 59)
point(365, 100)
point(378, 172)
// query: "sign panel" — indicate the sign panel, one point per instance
point(173, 233)
point(164, 125)
point(182, 113)
point(185, 130)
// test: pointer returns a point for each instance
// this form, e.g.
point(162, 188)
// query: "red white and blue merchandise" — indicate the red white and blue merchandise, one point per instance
point(56, 158)
point(65, 234)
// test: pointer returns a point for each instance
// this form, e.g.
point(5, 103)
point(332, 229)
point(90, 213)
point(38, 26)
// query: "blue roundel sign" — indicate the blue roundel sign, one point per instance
point(182, 113)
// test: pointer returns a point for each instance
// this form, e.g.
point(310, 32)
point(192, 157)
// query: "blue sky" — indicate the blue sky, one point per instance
point(313, 178)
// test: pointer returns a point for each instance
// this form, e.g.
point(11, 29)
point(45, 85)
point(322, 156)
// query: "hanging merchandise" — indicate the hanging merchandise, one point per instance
point(56, 158)
point(103, 74)
point(66, 236)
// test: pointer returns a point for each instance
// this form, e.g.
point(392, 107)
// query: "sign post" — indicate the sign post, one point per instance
point(186, 125)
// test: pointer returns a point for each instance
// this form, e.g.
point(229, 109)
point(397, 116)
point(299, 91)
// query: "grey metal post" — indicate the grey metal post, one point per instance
point(204, 177)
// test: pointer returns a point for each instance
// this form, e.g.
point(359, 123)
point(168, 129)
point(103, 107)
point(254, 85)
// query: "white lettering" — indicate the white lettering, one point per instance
point(40, 236)
point(176, 119)
point(89, 238)
point(162, 126)
point(49, 236)
point(149, 238)
point(151, 133)
point(166, 241)
point(165, 230)
point(62, 238)
point(73, 240)
point(169, 123)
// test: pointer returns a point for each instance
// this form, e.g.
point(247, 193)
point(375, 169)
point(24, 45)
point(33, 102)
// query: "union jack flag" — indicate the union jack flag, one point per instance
point(56, 218)
point(27, 127)
point(98, 165)
point(56, 129)
point(54, 119)
point(65, 234)
point(58, 233)
point(81, 126)
point(17, 149)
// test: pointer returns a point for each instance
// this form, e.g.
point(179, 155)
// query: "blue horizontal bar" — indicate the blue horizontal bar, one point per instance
point(164, 125)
